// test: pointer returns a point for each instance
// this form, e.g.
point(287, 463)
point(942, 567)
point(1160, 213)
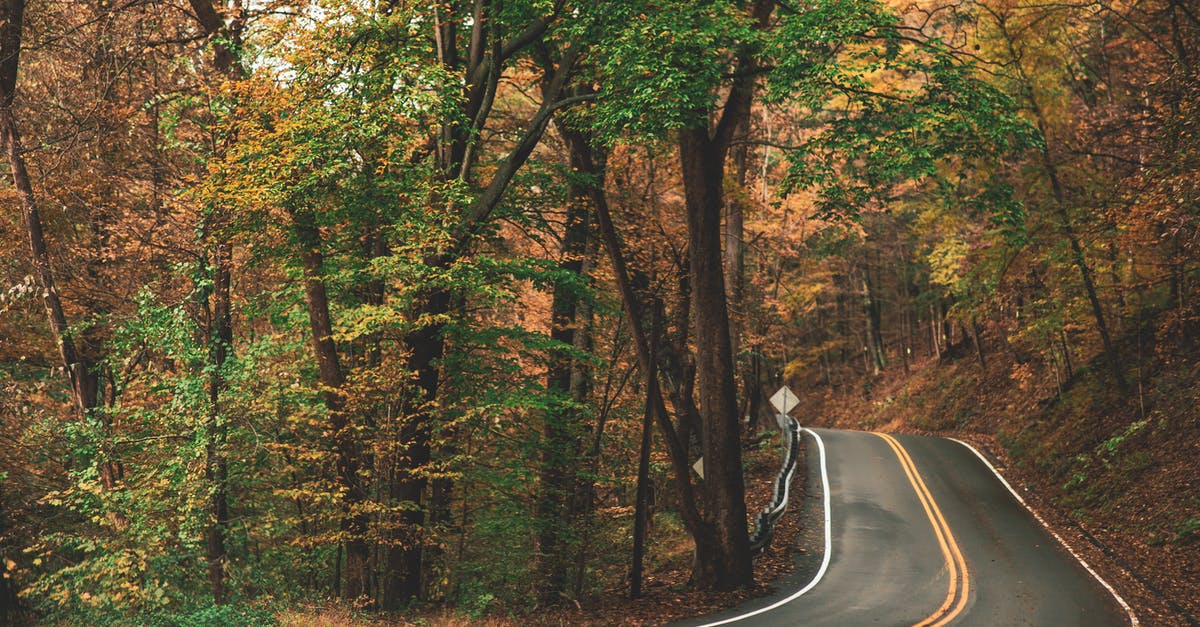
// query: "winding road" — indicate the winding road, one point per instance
point(921, 531)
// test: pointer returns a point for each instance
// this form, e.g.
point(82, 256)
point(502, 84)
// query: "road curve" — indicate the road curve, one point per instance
point(908, 513)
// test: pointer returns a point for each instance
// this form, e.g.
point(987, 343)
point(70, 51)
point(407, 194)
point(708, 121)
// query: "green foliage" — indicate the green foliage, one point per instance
point(135, 552)
point(1110, 446)
point(924, 116)
point(477, 605)
point(218, 616)
point(1187, 532)
point(663, 68)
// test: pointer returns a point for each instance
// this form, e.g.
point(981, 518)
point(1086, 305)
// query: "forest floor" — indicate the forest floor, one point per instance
point(1114, 473)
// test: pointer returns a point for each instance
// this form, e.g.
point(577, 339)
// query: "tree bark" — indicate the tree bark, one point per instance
point(456, 150)
point(728, 565)
point(79, 369)
point(677, 450)
point(332, 379)
point(561, 428)
point(404, 577)
point(226, 42)
point(216, 467)
point(640, 513)
point(723, 560)
point(873, 316)
point(978, 345)
point(1066, 350)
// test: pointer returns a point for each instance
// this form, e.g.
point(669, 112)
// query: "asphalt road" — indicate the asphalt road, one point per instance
point(923, 533)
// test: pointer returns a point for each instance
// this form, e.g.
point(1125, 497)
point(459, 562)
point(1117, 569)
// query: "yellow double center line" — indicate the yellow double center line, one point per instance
point(960, 579)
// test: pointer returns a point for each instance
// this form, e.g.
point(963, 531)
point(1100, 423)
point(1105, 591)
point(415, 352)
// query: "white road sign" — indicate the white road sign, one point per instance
point(699, 467)
point(784, 400)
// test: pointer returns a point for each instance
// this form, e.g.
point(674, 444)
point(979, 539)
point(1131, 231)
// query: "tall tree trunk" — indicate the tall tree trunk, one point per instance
point(12, 610)
point(934, 341)
point(944, 328)
point(584, 504)
point(456, 146)
point(873, 315)
point(560, 429)
point(1066, 350)
point(227, 40)
point(580, 392)
point(80, 370)
point(978, 345)
point(332, 379)
point(1089, 285)
point(216, 467)
point(723, 558)
point(83, 386)
point(406, 555)
point(729, 564)
point(641, 505)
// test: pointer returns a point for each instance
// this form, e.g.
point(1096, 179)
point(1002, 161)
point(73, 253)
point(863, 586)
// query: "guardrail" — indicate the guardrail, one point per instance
point(764, 526)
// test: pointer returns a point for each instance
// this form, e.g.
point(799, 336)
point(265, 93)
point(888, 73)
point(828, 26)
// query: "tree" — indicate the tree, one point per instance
point(226, 36)
point(80, 371)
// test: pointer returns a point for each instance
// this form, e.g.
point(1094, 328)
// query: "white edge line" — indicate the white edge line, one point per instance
point(828, 546)
point(1133, 620)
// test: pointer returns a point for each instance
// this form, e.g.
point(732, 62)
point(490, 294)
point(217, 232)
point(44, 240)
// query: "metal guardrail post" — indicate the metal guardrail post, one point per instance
point(764, 526)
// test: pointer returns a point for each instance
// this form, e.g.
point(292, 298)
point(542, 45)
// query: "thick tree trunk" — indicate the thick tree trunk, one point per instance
point(723, 558)
point(407, 557)
point(585, 498)
point(561, 428)
point(332, 379)
point(727, 564)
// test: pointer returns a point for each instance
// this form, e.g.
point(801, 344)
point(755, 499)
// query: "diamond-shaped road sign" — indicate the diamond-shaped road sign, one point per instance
point(784, 400)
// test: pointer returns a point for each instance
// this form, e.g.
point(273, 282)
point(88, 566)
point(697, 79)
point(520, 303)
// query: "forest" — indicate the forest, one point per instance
point(408, 308)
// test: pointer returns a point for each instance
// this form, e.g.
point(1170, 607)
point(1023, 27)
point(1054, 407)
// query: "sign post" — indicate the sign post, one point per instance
point(784, 401)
